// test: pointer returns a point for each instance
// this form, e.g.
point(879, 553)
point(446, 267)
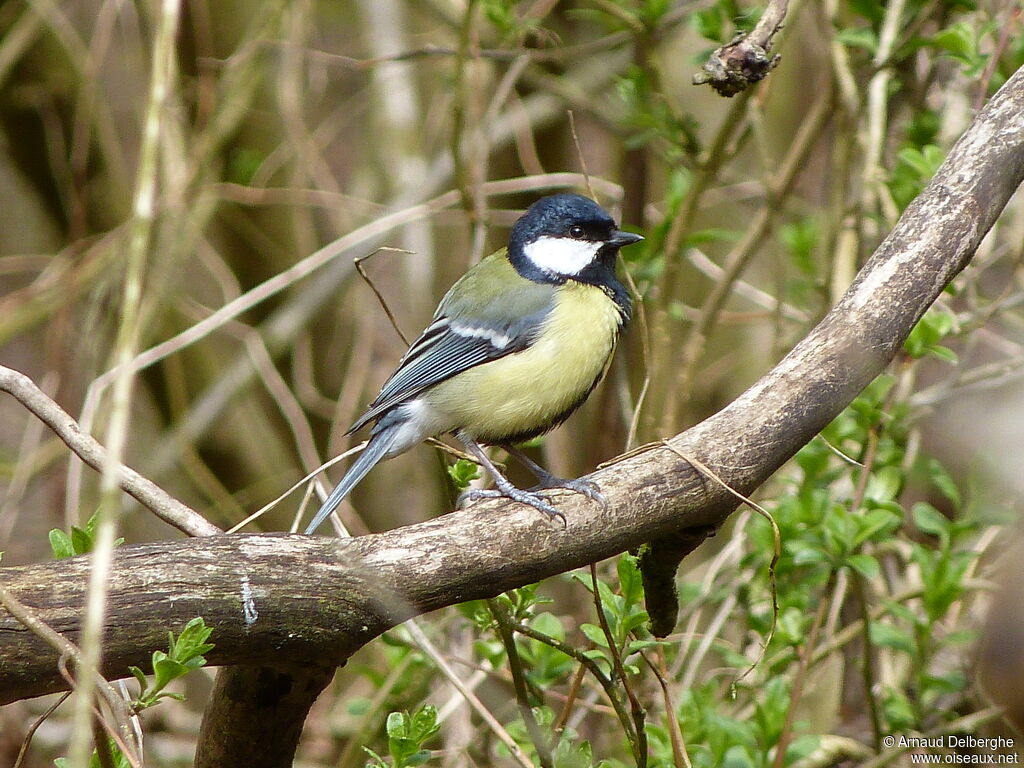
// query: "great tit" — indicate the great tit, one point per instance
point(515, 346)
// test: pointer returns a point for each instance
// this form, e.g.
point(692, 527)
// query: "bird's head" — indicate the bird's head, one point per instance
point(564, 237)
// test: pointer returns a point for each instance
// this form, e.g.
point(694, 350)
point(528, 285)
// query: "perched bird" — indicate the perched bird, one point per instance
point(515, 346)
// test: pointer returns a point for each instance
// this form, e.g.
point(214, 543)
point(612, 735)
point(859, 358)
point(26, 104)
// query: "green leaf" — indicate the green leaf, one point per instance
point(712, 235)
point(569, 755)
point(61, 545)
point(929, 520)
point(914, 168)
point(419, 758)
point(424, 723)
point(959, 40)
point(872, 10)
point(945, 354)
point(801, 239)
point(166, 670)
point(191, 643)
point(944, 482)
point(890, 636)
point(81, 540)
point(549, 624)
point(951, 682)
point(640, 645)
point(898, 711)
point(860, 37)
point(396, 725)
point(184, 655)
point(140, 676)
point(595, 635)
point(738, 756)
point(865, 565)
point(462, 473)
point(801, 747)
point(792, 625)
point(357, 706)
point(710, 24)
point(884, 484)
point(637, 618)
point(630, 580)
point(876, 523)
point(807, 554)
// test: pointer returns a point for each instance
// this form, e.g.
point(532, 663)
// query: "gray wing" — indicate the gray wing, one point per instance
point(445, 348)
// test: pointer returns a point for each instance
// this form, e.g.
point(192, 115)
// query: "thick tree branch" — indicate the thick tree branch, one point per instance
point(296, 600)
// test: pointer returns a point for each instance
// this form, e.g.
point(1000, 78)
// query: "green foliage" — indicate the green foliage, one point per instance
point(724, 20)
point(242, 164)
point(924, 339)
point(78, 542)
point(406, 736)
point(120, 761)
point(502, 15)
point(963, 41)
point(651, 120)
point(801, 238)
point(184, 654)
point(624, 613)
point(546, 665)
point(914, 168)
point(462, 473)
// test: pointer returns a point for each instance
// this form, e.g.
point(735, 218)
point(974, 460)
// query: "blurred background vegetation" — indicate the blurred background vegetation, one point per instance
point(325, 131)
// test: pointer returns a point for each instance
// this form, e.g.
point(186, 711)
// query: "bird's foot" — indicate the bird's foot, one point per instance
point(588, 488)
point(530, 498)
point(547, 480)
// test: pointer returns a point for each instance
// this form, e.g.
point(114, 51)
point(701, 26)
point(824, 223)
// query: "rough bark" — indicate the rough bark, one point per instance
point(246, 701)
point(286, 601)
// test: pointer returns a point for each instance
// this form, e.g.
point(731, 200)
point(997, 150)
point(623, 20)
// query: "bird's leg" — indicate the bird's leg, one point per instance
point(548, 480)
point(504, 487)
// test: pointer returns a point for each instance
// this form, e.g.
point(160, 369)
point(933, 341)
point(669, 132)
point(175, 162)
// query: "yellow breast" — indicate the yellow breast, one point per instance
point(528, 392)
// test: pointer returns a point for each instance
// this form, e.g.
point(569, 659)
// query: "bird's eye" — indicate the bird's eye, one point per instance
point(576, 231)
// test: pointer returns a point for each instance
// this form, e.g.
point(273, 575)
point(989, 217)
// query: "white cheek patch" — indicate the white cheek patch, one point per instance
point(561, 255)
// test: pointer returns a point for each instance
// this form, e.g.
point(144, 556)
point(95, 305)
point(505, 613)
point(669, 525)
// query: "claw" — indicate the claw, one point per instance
point(588, 488)
point(515, 494)
point(547, 480)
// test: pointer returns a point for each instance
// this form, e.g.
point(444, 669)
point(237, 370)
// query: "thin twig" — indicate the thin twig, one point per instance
point(68, 650)
point(638, 736)
point(777, 541)
point(515, 666)
point(373, 287)
point(570, 698)
point(587, 664)
point(798, 681)
point(147, 493)
point(679, 755)
point(503, 735)
point(1006, 34)
point(26, 743)
point(579, 151)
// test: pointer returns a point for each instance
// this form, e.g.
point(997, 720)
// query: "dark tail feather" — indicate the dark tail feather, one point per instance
point(374, 452)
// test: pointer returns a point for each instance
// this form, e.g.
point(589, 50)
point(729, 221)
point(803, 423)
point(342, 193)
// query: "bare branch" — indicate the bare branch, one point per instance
point(163, 505)
point(733, 68)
